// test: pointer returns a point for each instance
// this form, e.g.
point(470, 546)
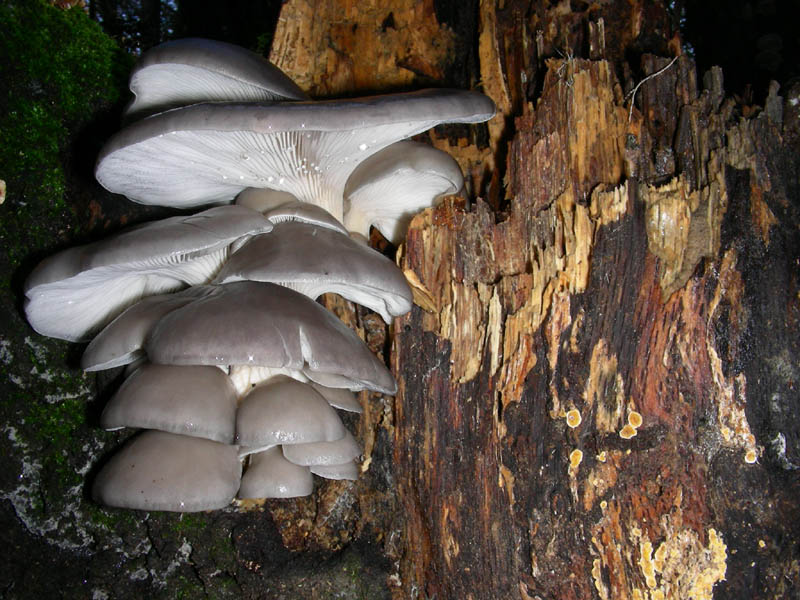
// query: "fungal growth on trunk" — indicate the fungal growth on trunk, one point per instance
point(235, 373)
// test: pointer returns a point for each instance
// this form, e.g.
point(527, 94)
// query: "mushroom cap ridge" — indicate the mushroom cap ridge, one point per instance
point(206, 70)
point(264, 324)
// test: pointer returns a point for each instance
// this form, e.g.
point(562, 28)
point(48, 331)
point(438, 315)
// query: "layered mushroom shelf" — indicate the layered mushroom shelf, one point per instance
point(231, 364)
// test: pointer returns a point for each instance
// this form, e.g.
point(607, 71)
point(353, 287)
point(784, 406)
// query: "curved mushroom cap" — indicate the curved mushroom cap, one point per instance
point(263, 324)
point(164, 471)
point(285, 411)
point(120, 342)
point(283, 206)
point(391, 186)
point(314, 260)
point(342, 399)
point(303, 212)
point(210, 152)
point(348, 470)
point(270, 475)
point(334, 452)
point(194, 400)
point(77, 291)
point(192, 70)
point(263, 199)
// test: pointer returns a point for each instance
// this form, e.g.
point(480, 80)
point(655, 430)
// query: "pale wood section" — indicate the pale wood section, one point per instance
point(349, 48)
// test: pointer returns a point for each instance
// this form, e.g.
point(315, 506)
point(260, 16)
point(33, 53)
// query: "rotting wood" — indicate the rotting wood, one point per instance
point(620, 280)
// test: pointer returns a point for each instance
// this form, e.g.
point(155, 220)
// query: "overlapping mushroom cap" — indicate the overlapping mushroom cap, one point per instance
point(316, 260)
point(73, 293)
point(120, 342)
point(263, 324)
point(192, 70)
point(389, 187)
point(210, 152)
point(190, 400)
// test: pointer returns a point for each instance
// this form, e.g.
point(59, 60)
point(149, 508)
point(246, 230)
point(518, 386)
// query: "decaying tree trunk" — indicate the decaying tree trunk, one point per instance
point(597, 381)
point(596, 384)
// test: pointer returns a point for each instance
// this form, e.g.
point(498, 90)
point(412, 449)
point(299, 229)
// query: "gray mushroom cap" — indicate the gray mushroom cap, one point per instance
point(210, 152)
point(192, 400)
point(388, 188)
point(270, 475)
point(348, 470)
point(316, 260)
point(191, 70)
point(333, 452)
point(75, 292)
point(156, 470)
point(263, 324)
point(285, 411)
point(120, 342)
point(340, 398)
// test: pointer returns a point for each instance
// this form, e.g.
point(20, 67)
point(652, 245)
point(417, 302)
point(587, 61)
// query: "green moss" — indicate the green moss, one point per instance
point(58, 68)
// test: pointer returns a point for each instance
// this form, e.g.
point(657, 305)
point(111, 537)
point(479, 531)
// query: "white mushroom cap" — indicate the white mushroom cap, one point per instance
point(334, 452)
point(270, 475)
point(156, 470)
point(315, 260)
point(263, 324)
point(263, 199)
point(193, 400)
point(342, 399)
point(208, 153)
point(348, 470)
point(192, 70)
point(285, 411)
point(75, 292)
point(120, 342)
point(283, 206)
point(391, 186)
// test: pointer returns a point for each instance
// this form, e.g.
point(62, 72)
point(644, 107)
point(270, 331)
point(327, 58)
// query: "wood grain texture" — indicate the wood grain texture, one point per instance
point(637, 266)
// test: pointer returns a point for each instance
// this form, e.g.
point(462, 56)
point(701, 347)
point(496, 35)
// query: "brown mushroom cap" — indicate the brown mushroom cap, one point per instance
point(156, 470)
point(192, 400)
point(270, 475)
point(191, 70)
point(263, 324)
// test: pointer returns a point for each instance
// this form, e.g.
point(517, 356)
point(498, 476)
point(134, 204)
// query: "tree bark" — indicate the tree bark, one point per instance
point(639, 264)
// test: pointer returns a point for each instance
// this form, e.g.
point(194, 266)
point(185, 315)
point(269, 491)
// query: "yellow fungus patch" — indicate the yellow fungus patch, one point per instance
point(575, 458)
point(634, 419)
point(627, 432)
point(573, 418)
point(750, 456)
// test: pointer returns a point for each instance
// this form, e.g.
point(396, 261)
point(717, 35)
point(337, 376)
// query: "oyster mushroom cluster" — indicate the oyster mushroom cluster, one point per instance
point(231, 363)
